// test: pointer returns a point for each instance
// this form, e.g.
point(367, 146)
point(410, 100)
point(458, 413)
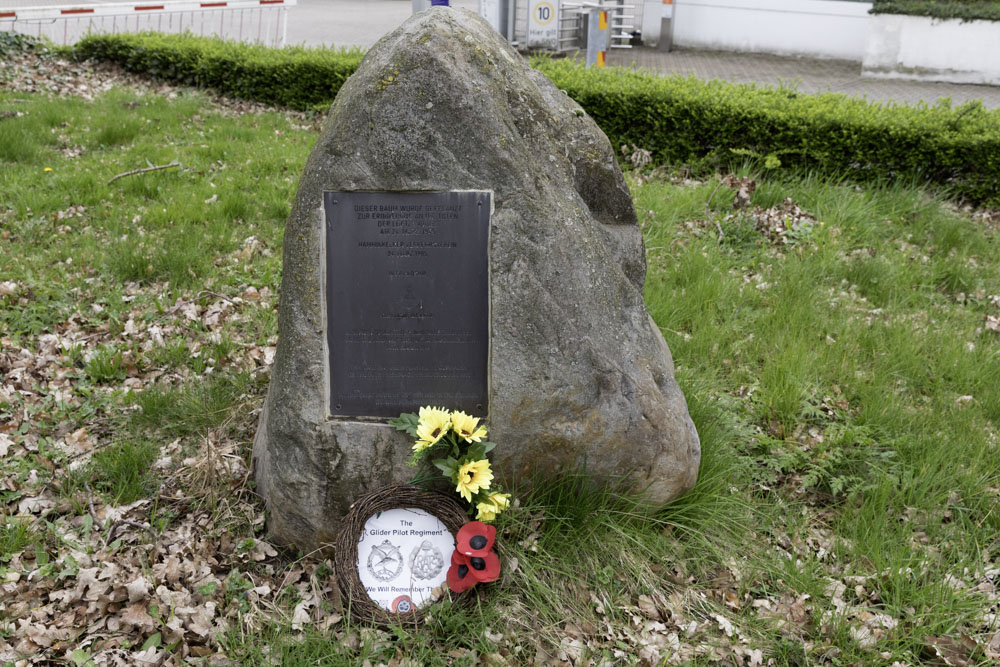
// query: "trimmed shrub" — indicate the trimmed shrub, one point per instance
point(296, 77)
point(964, 10)
point(680, 120)
point(684, 119)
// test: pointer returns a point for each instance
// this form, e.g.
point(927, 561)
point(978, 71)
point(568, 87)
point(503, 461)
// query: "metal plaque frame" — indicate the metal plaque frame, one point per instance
point(407, 301)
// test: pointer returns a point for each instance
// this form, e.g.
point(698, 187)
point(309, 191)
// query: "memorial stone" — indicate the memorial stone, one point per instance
point(534, 318)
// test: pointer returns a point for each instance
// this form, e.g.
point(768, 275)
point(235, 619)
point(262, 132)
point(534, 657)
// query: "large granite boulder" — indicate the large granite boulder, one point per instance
point(580, 375)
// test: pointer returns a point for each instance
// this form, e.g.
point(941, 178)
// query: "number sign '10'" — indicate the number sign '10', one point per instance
point(543, 24)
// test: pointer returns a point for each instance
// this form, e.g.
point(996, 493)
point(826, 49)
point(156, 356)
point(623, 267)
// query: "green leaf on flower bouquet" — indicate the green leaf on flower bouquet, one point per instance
point(478, 450)
point(448, 466)
point(406, 422)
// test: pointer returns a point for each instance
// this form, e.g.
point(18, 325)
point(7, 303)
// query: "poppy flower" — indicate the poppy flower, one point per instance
point(459, 575)
point(467, 571)
point(402, 605)
point(475, 538)
point(485, 568)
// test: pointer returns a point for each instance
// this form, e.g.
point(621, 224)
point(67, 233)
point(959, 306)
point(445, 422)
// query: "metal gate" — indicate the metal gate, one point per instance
point(624, 19)
point(573, 20)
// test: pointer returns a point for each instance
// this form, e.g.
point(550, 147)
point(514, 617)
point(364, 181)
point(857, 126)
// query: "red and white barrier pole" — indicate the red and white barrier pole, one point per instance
point(148, 15)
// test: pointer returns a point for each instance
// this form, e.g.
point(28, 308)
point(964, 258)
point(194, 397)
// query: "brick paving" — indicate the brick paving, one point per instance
point(807, 75)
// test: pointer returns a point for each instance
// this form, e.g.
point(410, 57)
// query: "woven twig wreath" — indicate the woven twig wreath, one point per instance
point(394, 496)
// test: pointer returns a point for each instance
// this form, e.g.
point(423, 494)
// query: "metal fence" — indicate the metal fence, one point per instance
point(571, 21)
point(254, 21)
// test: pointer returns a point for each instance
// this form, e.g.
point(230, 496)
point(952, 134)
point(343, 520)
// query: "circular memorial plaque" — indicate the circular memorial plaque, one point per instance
point(394, 550)
point(403, 555)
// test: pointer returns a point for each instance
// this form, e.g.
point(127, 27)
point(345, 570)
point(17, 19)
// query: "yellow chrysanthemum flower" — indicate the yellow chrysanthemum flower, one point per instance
point(500, 500)
point(432, 424)
point(487, 511)
point(473, 477)
point(467, 427)
point(495, 503)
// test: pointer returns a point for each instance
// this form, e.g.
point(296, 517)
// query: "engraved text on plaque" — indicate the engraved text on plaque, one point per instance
point(407, 301)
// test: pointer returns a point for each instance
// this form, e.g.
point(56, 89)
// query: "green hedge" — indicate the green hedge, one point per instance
point(965, 10)
point(680, 120)
point(296, 77)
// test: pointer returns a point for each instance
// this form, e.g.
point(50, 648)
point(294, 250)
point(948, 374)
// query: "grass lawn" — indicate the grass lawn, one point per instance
point(839, 349)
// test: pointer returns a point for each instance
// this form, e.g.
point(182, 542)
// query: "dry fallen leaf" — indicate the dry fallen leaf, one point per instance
point(136, 615)
point(744, 188)
point(648, 608)
point(138, 589)
point(950, 651)
point(724, 624)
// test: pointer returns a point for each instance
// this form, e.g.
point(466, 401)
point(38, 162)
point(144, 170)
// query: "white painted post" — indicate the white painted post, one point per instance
point(498, 14)
point(650, 28)
point(284, 31)
point(490, 10)
point(666, 26)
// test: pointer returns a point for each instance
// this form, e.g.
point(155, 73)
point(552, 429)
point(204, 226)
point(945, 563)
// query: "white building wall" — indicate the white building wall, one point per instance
point(918, 47)
point(817, 28)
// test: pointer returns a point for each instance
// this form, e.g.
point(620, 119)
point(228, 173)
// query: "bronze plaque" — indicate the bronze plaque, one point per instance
point(408, 301)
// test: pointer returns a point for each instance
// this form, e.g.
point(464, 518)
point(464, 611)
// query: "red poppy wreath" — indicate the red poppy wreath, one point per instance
point(473, 560)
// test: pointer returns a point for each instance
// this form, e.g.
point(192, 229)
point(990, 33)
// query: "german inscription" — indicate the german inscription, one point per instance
point(407, 301)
